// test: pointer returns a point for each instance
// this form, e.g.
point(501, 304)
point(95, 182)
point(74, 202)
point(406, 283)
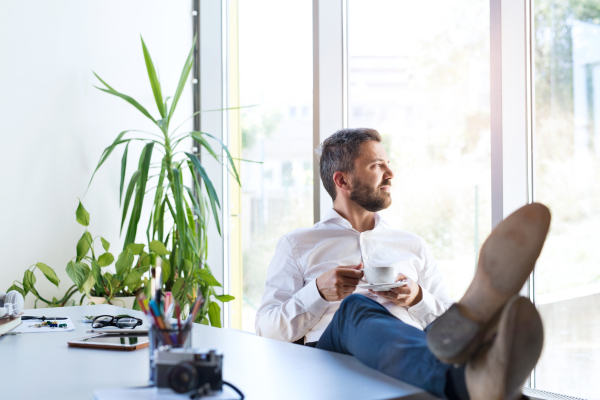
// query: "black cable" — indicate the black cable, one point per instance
point(238, 391)
point(201, 393)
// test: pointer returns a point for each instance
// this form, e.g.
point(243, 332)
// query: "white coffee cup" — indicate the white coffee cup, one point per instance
point(376, 275)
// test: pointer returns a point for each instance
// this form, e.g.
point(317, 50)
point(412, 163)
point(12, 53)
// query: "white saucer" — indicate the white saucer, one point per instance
point(382, 287)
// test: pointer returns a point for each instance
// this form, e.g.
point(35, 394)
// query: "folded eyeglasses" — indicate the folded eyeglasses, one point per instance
point(122, 322)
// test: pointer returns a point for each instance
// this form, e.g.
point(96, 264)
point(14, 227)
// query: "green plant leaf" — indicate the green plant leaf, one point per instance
point(145, 259)
point(123, 170)
point(194, 201)
point(180, 216)
point(191, 243)
point(158, 248)
point(108, 280)
point(166, 270)
point(105, 259)
point(105, 244)
point(18, 289)
point(158, 197)
point(83, 246)
point(104, 83)
point(107, 151)
point(133, 280)
point(203, 143)
point(187, 267)
point(76, 273)
point(83, 217)
point(167, 99)
point(209, 186)
point(143, 269)
point(128, 99)
point(124, 263)
point(48, 272)
point(156, 90)
point(28, 281)
point(176, 289)
point(204, 321)
point(97, 273)
point(212, 194)
point(187, 67)
point(132, 184)
point(235, 173)
point(190, 217)
point(161, 221)
point(214, 314)
point(136, 248)
point(136, 212)
point(224, 297)
point(89, 283)
point(149, 226)
point(208, 277)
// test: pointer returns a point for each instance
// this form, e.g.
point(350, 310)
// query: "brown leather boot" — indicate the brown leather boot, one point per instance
point(506, 260)
point(499, 369)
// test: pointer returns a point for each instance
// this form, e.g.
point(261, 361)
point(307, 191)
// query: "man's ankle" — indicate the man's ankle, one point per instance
point(456, 385)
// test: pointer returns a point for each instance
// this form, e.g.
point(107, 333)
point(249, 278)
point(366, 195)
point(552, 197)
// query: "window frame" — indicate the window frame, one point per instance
point(511, 103)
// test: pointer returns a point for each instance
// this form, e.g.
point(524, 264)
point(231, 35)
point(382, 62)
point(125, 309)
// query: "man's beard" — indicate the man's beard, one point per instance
point(369, 198)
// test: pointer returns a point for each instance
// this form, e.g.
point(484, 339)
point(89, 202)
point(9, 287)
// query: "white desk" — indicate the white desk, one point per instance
point(41, 366)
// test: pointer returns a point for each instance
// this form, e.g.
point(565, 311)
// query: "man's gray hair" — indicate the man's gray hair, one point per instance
point(338, 152)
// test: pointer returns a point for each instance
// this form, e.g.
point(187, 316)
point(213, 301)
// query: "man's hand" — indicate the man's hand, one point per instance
point(340, 282)
point(405, 296)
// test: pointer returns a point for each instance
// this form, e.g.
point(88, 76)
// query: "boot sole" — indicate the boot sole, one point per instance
point(506, 259)
point(512, 355)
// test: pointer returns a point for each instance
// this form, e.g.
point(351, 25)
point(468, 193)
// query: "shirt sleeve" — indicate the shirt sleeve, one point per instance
point(435, 299)
point(288, 309)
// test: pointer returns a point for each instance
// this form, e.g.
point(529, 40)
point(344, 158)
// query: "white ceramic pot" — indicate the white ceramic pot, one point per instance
point(126, 302)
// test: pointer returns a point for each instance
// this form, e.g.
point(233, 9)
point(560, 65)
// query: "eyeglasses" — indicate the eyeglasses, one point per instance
point(122, 322)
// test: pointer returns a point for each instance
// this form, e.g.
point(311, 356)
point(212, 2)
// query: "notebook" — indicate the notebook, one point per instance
point(8, 324)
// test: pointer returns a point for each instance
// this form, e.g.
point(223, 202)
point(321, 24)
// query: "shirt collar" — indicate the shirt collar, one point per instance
point(332, 216)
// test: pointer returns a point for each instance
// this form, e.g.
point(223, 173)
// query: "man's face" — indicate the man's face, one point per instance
point(371, 180)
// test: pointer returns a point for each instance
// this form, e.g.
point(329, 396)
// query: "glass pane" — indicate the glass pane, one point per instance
point(567, 179)
point(276, 76)
point(419, 74)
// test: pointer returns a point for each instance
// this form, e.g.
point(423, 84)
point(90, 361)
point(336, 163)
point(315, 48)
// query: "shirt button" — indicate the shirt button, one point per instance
point(366, 257)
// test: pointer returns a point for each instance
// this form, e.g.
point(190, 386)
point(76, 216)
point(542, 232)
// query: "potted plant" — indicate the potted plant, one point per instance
point(85, 270)
point(28, 286)
point(182, 244)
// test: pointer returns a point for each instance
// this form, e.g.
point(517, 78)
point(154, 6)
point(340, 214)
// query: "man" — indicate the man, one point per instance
point(493, 334)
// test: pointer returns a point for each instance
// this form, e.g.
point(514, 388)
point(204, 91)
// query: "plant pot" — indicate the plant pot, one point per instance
point(126, 302)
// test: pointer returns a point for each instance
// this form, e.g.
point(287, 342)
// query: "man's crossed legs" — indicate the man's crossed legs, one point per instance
point(494, 335)
point(367, 330)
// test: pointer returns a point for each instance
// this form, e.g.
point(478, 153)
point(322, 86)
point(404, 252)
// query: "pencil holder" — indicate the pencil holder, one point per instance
point(167, 338)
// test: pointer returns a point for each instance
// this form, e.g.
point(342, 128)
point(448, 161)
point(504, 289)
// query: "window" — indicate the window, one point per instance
point(275, 47)
point(567, 179)
point(418, 72)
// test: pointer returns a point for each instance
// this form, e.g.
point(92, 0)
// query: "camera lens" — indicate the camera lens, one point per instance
point(183, 378)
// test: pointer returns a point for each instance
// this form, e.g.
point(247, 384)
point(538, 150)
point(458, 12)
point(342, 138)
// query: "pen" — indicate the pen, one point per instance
point(24, 318)
point(142, 332)
point(178, 311)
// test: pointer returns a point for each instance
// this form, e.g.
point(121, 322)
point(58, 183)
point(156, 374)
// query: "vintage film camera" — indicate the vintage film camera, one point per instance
point(187, 370)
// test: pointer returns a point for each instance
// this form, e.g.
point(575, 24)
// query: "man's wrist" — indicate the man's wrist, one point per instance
point(319, 289)
point(418, 298)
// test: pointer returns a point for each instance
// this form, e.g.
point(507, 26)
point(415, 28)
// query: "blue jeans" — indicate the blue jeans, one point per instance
point(366, 330)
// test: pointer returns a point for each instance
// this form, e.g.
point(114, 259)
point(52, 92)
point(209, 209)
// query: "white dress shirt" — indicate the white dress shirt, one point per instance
point(291, 305)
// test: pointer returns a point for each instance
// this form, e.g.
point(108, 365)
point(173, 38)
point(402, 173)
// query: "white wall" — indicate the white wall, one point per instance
point(54, 124)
